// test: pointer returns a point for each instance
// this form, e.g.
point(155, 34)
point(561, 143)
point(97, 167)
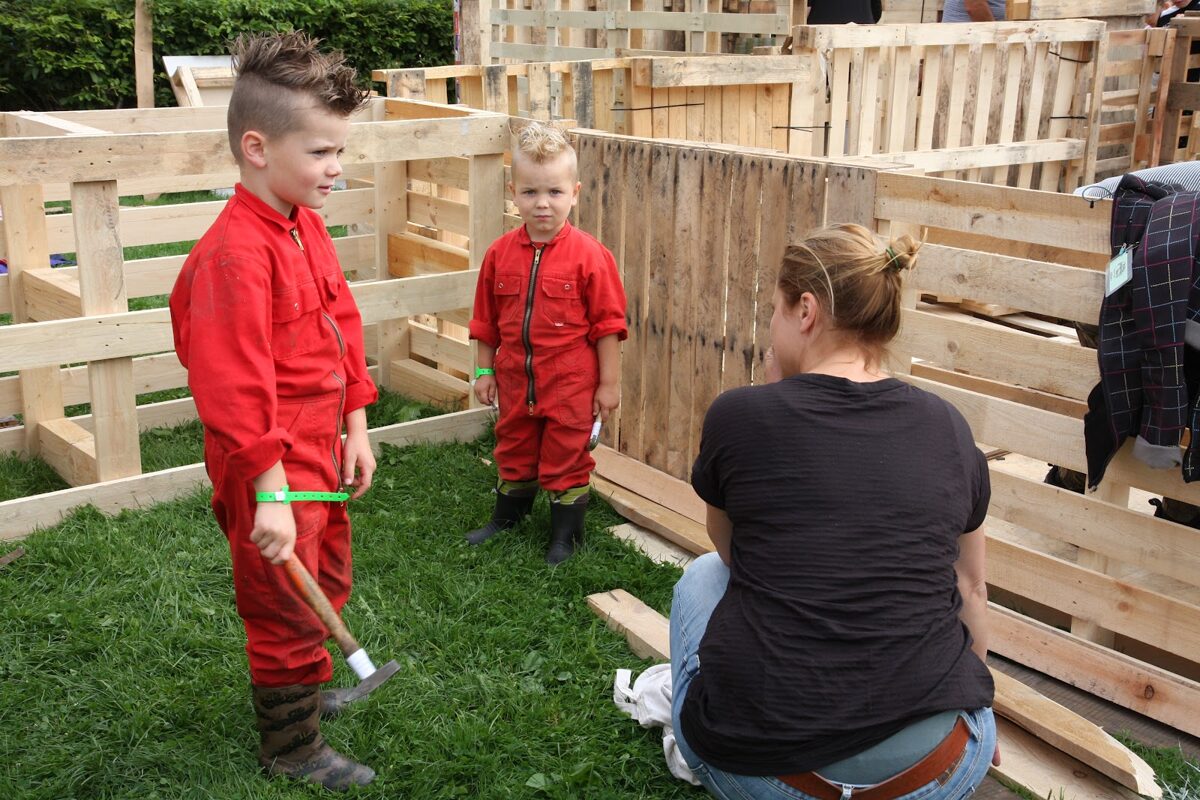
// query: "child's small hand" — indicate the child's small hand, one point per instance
point(485, 389)
point(274, 531)
point(358, 463)
point(608, 397)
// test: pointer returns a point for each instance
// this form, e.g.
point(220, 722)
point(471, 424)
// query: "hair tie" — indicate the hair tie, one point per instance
point(892, 257)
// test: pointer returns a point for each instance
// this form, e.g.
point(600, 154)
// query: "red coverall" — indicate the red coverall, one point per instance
point(544, 307)
point(268, 330)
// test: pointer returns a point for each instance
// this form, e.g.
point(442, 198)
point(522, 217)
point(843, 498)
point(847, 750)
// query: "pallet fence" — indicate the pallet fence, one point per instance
point(555, 30)
point(1181, 123)
point(1011, 103)
point(1134, 107)
point(1088, 590)
point(79, 315)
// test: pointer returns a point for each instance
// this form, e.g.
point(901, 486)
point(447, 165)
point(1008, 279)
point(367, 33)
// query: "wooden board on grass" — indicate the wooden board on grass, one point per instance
point(652, 484)
point(1072, 734)
point(647, 631)
point(683, 531)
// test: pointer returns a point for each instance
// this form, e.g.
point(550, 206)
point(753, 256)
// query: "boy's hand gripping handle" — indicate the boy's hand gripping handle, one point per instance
point(356, 657)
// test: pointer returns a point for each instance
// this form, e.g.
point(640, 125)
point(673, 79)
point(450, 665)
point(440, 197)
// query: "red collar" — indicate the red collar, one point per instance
point(260, 207)
point(523, 235)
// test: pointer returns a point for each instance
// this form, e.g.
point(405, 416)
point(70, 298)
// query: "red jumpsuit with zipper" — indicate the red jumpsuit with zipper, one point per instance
point(544, 307)
point(268, 330)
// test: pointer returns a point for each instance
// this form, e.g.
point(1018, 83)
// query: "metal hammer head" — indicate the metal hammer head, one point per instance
point(372, 681)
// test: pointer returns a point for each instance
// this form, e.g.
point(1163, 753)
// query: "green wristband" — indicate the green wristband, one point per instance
point(286, 497)
point(481, 371)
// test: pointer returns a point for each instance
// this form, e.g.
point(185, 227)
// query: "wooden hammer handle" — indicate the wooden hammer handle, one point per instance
point(319, 603)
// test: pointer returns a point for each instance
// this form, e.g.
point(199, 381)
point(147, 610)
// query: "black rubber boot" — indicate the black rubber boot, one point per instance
point(1065, 478)
point(1176, 511)
point(509, 510)
point(566, 529)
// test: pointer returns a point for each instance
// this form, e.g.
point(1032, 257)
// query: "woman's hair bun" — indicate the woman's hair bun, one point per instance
point(900, 254)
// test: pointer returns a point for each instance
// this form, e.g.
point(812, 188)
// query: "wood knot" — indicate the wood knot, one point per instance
point(1148, 692)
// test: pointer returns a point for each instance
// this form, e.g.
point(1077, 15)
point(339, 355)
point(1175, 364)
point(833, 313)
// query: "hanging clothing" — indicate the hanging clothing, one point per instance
point(1149, 334)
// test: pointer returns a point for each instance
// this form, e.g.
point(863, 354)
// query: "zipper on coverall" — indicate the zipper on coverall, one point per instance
point(337, 468)
point(530, 395)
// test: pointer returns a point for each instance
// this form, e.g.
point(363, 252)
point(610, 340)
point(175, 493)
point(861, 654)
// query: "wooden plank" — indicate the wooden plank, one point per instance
point(683, 531)
point(1072, 734)
point(977, 347)
point(726, 70)
point(1017, 214)
point(26, 248)
point(95, 215)
point(1134, 539)
point(420, 382)
point(742, 270)
point(69, 449)
point(1053, 438)
point(654, 485)
point(660, 210)
point(647, 631)
point(18, 518)
point(635, 276)
point(143, 54)
point(1121, 679)
point(1140, 614)
point(443, 349)
point(976, 156)
point(410, 254)
point(1044, 771)
point(91, 158)
point(681, 334)
point(49, 294)
point(833, 37)
point(1005, 280)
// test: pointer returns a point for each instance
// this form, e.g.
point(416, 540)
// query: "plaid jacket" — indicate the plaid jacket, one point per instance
point(1149, 329)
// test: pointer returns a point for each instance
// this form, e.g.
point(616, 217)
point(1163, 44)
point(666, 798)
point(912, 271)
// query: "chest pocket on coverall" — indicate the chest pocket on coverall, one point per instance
point(560, 300)
point(510, 303)
point(295, 321)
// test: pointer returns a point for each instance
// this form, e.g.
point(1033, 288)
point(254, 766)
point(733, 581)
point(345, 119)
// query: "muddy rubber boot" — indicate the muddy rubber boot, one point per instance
point(508, 511)
point(566, 529)
point(292, 744)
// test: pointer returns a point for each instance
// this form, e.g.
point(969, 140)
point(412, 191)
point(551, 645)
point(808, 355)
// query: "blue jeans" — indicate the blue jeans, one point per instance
point(696, 595)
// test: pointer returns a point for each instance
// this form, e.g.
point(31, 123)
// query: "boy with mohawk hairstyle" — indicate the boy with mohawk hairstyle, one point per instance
point(549, 317)
point(267, 328)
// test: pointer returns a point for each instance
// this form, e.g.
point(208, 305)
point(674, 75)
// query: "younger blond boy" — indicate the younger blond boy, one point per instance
point(549, 317)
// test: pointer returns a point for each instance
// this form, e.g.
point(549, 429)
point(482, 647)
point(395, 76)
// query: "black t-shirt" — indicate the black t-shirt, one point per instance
point(840, 624)
point(837, 12)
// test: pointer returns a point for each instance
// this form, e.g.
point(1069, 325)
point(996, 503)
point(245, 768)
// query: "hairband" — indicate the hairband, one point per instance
point(892, 257)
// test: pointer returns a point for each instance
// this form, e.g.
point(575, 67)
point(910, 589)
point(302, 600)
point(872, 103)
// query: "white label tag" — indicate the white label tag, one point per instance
point(1120, 271)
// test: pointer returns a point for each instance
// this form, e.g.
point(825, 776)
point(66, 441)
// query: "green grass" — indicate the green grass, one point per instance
point(122, 670)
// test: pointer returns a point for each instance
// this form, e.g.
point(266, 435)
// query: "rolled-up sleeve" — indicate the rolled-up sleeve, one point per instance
point(483, 325)
point(605, 298)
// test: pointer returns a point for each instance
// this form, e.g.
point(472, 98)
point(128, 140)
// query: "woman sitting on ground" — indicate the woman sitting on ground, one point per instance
point(837, 637)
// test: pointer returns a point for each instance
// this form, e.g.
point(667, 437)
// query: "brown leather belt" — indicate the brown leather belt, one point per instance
point(938, 766)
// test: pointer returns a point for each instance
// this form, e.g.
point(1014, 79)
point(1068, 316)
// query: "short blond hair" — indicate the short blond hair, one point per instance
point(281, 74)
point(539, 143)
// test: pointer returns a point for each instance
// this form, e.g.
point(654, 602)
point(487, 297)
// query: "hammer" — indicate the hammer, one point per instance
point(369, 678)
